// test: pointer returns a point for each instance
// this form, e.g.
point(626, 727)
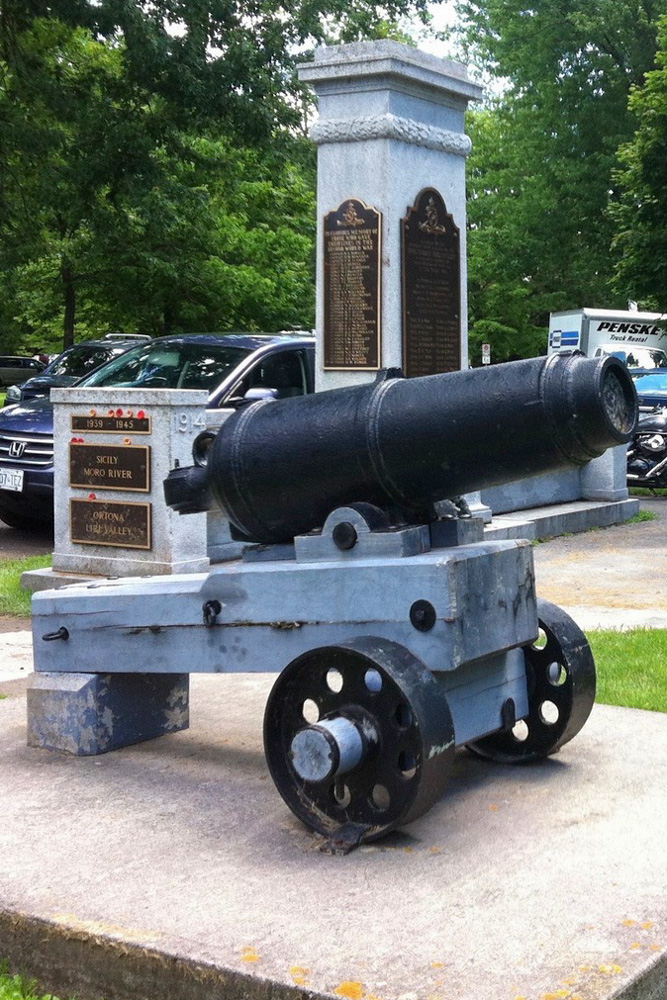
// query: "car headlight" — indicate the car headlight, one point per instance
point(13, 395)
point(652, 442)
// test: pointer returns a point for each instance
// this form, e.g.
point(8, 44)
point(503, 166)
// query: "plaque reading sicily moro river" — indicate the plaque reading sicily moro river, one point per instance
point(352, 243)
point(110, 466)
point(122, 524)
point(431, 288)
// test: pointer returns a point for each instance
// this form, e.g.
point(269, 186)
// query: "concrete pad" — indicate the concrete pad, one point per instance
point(173, 869)
point(15, 655)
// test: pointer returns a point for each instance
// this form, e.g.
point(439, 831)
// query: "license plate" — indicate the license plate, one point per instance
point(11, 479)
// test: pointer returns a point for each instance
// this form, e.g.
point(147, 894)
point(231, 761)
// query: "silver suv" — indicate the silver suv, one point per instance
point(17, 369)
point(71, 365)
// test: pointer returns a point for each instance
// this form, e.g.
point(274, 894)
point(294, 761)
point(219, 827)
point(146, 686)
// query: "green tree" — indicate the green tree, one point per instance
point(544, 154)
point(152, 164)
point(88, 164)
point(641, 212)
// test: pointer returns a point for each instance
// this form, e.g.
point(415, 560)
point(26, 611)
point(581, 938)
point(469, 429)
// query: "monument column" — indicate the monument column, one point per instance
point(391, 250)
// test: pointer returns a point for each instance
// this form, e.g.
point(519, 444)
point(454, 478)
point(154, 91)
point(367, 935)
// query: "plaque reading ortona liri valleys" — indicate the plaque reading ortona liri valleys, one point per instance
point(431, 288)
point(122, 524)
point(110, 466)
point(352, 246)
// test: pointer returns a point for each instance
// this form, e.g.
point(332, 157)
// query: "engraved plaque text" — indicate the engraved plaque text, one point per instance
point(352, 246)
point(124, 525)
point(110, 466)
point(111, 425)
point(431, 288)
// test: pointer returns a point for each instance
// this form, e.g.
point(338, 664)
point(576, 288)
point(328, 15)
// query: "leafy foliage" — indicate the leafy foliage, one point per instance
point(153, 166)
point(544, 151)
point(641, 213)
point(18, 987)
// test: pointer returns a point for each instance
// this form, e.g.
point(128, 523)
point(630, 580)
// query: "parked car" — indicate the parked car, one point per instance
point(73, 364)
point(17, 369)
point(233, 368)
point(651, 386)
point(647, 452)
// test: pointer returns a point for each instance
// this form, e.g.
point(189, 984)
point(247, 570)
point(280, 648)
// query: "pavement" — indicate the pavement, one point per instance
point(173, 869)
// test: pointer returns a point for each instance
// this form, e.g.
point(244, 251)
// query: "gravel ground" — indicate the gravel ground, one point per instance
point(621, 570)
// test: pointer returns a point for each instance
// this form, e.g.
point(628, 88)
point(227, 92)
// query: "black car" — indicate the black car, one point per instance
point(233, 368)
point(73, 364)
point(647, 453)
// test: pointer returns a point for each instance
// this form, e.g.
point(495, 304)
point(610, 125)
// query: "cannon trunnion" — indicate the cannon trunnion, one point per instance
point(397, 635)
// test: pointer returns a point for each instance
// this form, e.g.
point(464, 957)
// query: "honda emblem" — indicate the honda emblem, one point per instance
point(16, 449)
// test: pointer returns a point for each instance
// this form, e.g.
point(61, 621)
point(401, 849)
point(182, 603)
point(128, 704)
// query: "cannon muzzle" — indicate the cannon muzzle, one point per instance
point(279, 467)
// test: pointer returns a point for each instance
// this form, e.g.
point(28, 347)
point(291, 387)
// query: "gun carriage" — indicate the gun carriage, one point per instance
point(398, 633)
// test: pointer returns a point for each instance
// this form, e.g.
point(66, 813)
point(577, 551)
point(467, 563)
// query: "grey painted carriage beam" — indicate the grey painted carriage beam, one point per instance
point(262, 615)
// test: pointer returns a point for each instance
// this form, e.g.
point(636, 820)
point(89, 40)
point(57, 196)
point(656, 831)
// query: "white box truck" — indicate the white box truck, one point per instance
point(638, 338)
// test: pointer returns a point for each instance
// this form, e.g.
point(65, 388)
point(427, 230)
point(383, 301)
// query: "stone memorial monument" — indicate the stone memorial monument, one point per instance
point(391, 278)
point(115, 447)
point(391, 253)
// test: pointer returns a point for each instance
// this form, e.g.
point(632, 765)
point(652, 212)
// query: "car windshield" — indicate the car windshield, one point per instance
point(653, 382)
point(178, 365)
point(641, 357)
point(78, 361)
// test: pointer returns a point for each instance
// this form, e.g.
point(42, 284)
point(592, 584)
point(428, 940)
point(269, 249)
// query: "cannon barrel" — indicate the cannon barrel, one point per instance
point(278, 468)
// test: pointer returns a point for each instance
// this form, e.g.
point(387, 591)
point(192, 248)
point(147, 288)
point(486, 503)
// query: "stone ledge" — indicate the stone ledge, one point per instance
point(560, 519)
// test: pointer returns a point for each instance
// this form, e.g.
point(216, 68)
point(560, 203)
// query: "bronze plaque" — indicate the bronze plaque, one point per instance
point(352, 246)
point(110, 466)
point(111, 522)
point(110, 425)
point(431, 273)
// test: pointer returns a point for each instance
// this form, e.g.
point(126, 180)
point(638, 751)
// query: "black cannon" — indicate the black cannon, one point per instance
point(278, 468)
point(398, 633)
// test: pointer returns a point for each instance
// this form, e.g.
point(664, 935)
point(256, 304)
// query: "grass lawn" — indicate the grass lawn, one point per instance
point(631, 667)
point(640, 491)
point(15, 602)
point(18, 988)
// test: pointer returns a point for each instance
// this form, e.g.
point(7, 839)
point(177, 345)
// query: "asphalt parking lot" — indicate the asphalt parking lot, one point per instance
point(15, 544)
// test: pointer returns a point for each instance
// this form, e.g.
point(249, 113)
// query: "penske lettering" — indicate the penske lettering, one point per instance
point(635, 333)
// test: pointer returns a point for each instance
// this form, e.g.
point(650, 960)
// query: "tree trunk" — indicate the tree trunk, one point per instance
point(69, 292)
point(168, 319)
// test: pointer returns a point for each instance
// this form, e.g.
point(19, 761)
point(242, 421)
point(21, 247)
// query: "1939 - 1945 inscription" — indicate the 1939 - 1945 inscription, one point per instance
point(352, 246)
point(110, 424)
point(110, 466)
point(122, 524)
point(431, 288)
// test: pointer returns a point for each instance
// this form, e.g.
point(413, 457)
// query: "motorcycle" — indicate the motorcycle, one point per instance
point(647, 452)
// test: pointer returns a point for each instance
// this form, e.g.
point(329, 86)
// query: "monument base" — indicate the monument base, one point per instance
point(87, 714)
